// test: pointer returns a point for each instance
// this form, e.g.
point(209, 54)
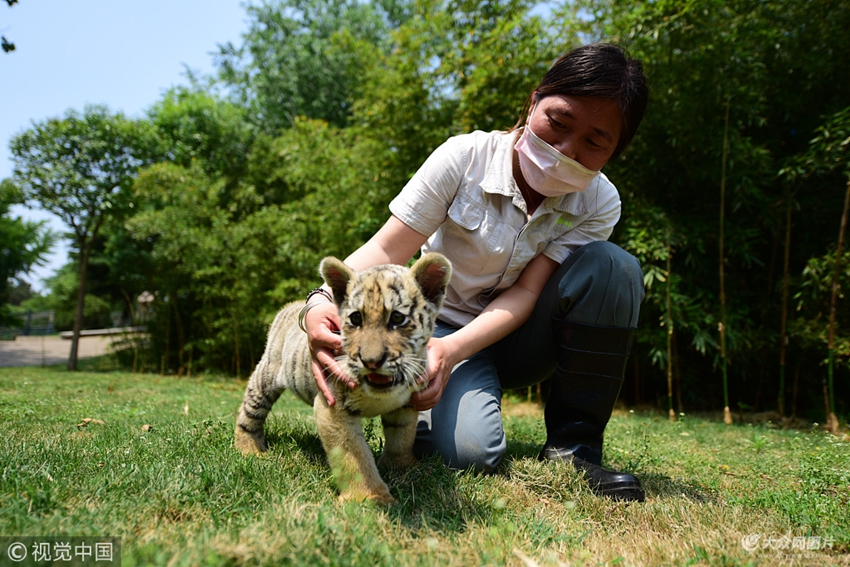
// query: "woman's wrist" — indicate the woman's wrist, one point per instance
point(302, 315)
point(452, 350)
point(319, 291)
point(310, 302)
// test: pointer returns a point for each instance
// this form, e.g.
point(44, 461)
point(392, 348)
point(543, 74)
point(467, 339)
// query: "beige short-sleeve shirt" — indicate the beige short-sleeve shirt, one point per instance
point(465, 198)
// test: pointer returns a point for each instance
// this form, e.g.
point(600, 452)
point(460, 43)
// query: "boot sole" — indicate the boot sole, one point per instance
point(621, 493)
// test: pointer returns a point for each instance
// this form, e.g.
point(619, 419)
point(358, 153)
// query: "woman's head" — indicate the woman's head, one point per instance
point(599, 70)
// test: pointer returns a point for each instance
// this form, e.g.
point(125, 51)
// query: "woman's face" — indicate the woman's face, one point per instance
point(585, 129)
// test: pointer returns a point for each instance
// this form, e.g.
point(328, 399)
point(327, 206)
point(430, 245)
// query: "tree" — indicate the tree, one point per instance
point(224, 260)
point(191, 124)
point(79, 167)
point(23, 244)
point(295, 60)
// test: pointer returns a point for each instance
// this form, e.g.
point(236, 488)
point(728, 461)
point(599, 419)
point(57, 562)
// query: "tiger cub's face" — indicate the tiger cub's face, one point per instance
point(387, 315)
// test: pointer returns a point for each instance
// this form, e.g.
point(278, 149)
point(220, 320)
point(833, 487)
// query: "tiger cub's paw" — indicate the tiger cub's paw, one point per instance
point(397, 461)
point(379, 496)
point(249, 444)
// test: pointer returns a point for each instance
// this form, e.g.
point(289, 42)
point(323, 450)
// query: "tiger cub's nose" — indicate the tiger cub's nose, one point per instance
point(375, 361)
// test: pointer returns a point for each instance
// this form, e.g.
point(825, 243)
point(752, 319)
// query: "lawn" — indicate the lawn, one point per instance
point(155, 466)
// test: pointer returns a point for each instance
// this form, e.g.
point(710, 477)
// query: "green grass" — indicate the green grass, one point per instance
point(179, 494)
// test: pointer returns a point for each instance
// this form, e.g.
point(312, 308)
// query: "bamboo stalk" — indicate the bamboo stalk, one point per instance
point(669, 308)
point(727, 414)
point(677, 373)
point(828, 390)
point(783, 332)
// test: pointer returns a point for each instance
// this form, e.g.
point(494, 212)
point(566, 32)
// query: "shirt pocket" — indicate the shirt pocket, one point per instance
point(469, 235)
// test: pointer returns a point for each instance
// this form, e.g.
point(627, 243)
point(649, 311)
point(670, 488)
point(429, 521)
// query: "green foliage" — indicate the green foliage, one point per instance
point(223, 264)
point(828, 152)
point(492, 57)
point(80, 166)
point(63, 301)
point(6, 44)
point(194, 125)
point(769, 63)
point(228, 245)
point(813, 301)
point(295, 61)
point(23, 244)
point(325, 109)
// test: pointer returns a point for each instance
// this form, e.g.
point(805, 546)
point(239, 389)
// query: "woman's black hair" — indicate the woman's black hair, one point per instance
point(600, 70)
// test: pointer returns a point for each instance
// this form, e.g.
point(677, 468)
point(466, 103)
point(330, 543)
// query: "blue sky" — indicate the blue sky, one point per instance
point(121, 53)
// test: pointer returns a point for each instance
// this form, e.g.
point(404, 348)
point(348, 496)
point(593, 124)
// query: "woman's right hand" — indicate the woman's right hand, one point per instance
point(323, 324)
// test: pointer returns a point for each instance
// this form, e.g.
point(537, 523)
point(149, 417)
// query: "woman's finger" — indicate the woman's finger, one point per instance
point(322, 324)
point(321, 381)
point(428, 398)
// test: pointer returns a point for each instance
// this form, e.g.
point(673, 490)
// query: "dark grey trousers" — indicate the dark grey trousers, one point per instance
point(599, 284)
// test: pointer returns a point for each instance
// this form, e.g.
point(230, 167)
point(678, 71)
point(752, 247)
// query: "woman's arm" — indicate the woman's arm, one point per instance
point(502, 316)
point(394, 243)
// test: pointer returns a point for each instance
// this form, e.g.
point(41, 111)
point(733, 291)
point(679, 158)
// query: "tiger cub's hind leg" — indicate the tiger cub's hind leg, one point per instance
point(256, 405)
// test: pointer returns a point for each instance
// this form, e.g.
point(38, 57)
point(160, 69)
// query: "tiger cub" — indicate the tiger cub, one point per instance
point(387, 315)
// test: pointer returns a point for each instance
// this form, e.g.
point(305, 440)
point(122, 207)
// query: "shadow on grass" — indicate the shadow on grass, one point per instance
point(663, 486)
point(427, 495)
point(429, 498)
point(522, 449)
point(285, 441)
point(656, 485)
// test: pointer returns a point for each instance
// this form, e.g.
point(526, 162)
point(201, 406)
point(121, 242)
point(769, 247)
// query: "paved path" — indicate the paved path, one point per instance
point(44, 351)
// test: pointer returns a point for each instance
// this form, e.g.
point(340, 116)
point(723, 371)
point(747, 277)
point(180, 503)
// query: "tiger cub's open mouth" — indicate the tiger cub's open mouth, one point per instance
point(380, 381)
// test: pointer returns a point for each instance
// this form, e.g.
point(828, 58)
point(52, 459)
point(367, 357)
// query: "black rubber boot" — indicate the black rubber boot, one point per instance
point(585, 386)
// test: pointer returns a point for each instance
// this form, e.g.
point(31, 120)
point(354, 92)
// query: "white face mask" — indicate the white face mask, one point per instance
point(548, 171)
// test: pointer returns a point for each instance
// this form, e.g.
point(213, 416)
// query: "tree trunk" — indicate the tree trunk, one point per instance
point(85, 250)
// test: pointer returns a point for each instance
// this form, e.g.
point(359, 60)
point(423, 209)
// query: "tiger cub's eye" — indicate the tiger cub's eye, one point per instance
point(397, 319)
point(355, 319)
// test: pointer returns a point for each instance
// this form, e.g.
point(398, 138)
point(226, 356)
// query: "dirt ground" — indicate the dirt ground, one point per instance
point(44, 351)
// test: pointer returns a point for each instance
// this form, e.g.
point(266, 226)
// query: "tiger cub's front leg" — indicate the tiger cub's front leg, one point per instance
point(399, 434)
point(349, 455)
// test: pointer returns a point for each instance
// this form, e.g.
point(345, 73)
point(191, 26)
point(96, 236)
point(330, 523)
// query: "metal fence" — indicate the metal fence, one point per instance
point(35, 323)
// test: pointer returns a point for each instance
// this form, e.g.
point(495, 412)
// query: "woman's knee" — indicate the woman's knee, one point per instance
point(482, 453)
point(464, 439)
point(612, 261)
point(602, 284)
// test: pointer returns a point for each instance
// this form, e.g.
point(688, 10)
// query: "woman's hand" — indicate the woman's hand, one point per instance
point(322, 324)
point(440, 364)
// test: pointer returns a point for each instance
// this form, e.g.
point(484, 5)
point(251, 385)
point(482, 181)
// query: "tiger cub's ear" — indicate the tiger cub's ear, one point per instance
point(432, 273)
point(337, 275)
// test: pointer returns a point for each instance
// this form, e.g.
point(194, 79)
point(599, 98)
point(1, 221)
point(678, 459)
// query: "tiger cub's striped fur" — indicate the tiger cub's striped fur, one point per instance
point(387, 315)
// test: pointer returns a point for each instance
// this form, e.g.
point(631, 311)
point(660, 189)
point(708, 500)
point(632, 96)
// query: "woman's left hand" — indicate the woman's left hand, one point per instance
point(440, 364)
